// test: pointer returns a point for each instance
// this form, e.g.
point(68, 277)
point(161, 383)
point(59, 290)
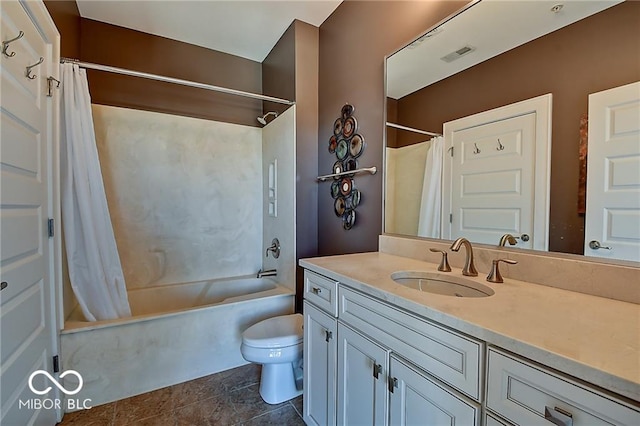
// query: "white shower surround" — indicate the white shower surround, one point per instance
point(278, 144)
point(185, 195)
point(196, 330)
point(183, 331)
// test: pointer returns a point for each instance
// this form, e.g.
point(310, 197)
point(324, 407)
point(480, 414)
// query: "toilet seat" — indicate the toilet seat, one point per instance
point(277, 332)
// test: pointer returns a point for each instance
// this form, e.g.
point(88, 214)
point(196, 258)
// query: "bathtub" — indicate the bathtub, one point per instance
point(177, 333)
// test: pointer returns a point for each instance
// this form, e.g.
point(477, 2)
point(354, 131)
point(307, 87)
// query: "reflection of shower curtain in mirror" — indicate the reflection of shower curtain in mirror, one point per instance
point(92, 255)
point(431, 203)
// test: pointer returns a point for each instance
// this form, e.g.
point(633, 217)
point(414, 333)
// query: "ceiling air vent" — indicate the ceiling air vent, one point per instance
point(458, 54)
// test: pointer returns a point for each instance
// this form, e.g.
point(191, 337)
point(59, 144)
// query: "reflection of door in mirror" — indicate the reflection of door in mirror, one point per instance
point(495, 178)
point(613, 174)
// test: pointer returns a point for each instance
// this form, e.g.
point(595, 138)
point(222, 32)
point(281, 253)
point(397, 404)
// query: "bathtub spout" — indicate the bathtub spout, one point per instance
point(267, 273)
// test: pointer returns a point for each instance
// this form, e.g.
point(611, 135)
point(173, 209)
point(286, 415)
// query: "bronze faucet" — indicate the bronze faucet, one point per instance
point(469, 268)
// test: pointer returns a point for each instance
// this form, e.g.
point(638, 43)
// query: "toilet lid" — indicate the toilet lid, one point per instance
point(275, 332)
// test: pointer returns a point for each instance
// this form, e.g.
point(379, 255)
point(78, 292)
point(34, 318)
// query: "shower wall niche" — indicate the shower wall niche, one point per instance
point(185, 195)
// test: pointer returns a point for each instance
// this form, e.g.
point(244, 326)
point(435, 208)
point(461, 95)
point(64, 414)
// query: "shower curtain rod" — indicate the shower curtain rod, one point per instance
point(411, 129)
point(107, 68)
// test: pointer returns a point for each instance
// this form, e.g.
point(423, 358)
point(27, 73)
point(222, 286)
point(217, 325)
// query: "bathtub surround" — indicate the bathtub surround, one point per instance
point(93, 264)
point(170, 342)
point(278, 152)
point(184, 195)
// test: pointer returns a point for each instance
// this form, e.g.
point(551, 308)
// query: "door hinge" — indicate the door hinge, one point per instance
point(51, 227)
point(450, 217)
point(56, 364)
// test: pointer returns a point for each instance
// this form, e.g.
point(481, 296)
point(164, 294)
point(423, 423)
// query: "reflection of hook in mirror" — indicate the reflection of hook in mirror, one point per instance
point(5, 45)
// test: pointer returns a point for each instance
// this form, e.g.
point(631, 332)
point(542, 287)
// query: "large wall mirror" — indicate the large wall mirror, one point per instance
point(497, 56)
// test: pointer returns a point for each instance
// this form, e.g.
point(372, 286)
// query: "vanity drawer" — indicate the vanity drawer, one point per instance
point(520, 391)
point(449, 356)
point(321, 291)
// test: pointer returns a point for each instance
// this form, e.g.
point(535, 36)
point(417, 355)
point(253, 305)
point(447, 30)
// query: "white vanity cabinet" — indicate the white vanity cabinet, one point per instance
point(370, 359)
point(370, 362)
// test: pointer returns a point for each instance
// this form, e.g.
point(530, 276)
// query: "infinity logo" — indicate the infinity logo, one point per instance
point(55, 382)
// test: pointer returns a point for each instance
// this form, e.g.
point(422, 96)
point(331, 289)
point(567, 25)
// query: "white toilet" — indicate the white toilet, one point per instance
point(276, 343)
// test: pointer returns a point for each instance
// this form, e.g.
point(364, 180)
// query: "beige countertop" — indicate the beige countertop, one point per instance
point(591, 338)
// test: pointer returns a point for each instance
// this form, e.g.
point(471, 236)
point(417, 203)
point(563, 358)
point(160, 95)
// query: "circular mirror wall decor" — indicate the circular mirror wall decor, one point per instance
point(347, 145)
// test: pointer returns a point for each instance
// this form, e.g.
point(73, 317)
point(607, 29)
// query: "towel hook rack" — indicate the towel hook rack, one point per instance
point(30, 67)
point(5, 45)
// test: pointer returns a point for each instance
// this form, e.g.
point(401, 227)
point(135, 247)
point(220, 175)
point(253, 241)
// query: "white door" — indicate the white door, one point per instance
point(418, 400)
point(612, 227)
point(496, 174)
point(27, 310)
point(320, 356)
point(362, 384)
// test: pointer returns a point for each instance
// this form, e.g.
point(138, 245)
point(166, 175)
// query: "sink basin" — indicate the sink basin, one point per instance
point(444, 284)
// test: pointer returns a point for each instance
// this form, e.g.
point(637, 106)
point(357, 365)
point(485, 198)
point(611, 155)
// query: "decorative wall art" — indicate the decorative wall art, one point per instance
point(348, 146)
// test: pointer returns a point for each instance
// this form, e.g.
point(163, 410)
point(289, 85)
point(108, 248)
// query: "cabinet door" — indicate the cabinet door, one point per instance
point(320, 353)
point(418, 400)
point(362, 385)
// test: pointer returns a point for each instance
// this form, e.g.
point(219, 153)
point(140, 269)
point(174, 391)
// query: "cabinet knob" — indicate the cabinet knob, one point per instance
point(4, 285)
point(316, 290)
point(328, 335)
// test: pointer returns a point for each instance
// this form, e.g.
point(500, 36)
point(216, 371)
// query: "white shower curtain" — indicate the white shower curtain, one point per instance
point(431, 203)
point(94, 266)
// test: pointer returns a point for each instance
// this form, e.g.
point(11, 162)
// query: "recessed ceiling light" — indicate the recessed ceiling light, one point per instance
point(428, 35)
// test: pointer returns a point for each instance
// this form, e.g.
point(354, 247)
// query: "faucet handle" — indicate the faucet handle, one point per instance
point(494, 276)
point(444, 263)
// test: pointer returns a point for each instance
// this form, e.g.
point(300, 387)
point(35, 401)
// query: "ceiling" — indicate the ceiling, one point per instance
point(248, 29)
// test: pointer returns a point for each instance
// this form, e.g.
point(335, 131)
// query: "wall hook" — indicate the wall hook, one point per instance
point(28, 73)
point(5, 45)
point(50, 81)
point(500, 146)
point(476, 150)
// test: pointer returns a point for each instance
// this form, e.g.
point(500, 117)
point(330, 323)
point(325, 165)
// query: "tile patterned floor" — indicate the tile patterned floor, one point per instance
point(228, 398)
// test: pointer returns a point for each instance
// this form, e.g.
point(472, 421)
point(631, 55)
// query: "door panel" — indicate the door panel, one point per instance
point(320, 356)
point(419, 400)
point(27, 319)
point(362, 393)
point(613, 174)
point(495, 178)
